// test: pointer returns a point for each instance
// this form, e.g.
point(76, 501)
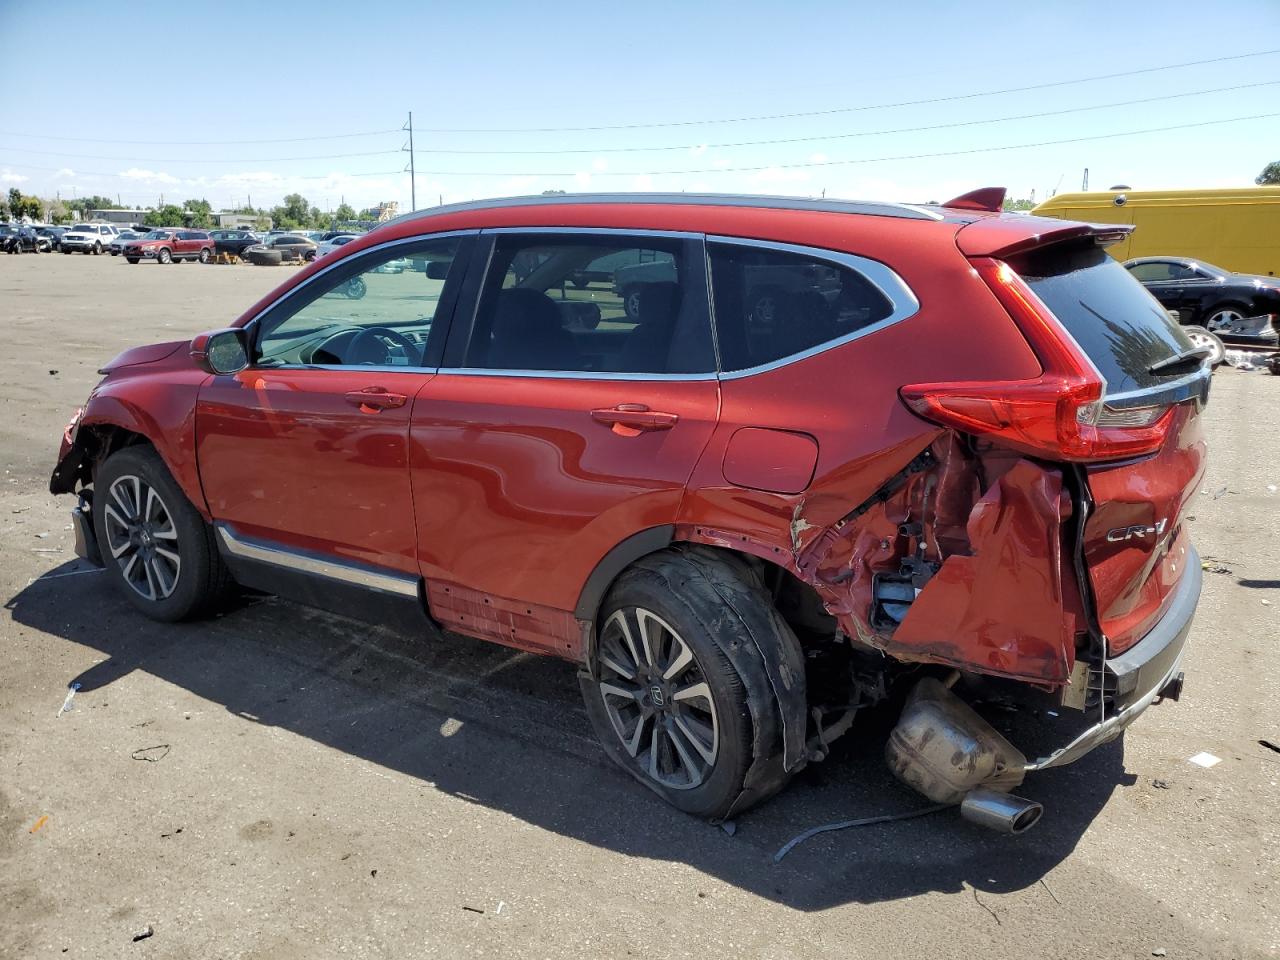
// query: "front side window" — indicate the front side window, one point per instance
point(377, 312)
point(770, 304)
point(593, 304)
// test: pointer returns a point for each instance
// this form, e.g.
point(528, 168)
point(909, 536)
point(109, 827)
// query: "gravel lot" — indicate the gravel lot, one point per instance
point(324, 788)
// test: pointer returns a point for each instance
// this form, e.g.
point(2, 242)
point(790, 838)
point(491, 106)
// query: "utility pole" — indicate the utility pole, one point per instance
point(413, 179)
point(1084, 184)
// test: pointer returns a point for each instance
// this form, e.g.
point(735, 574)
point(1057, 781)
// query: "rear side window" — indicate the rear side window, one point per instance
point(1122, 328)
point(593, 304)
point(771, 304)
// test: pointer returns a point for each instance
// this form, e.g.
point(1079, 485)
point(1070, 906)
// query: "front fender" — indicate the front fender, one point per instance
point(158, 407)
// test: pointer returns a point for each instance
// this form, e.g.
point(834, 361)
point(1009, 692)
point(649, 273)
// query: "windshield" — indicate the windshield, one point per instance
point(157, 235)
point(83, 226)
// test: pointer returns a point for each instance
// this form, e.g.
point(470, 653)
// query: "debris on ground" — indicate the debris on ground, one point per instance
point(978, 901)
point(472, 909)
point(1158, 952)
point(152, 754)
point(1218, 494)
point(171, 833)
point(1205, 760)
point(501, 904)
point(1160, 784)
point(145, 932)
point(1270, 745)
point(846, 824)
point(729, 827)
point(1045, 883)
point(44, 818)
point(1209, 565)
point(66, 704)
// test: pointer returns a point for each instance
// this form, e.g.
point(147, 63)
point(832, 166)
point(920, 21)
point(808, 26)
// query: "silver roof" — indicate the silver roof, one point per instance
point(865, 208)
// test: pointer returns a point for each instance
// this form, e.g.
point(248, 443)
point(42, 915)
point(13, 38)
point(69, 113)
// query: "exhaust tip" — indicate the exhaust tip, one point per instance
point(1001, 812)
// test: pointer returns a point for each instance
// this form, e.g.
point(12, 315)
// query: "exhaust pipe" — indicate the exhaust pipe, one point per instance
point(1002, 812)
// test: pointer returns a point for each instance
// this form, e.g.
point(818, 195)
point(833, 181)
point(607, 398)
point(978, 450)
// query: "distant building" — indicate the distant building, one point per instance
point(240, 220)
point(388, 210)
point(117, 216)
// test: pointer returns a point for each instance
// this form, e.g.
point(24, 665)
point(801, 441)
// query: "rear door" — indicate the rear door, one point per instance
point(558, 427)
point(1136, 547)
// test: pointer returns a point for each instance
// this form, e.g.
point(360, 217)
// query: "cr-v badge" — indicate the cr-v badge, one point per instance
point(1120, 534)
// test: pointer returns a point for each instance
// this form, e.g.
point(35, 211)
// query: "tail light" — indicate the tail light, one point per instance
point(1059, 415)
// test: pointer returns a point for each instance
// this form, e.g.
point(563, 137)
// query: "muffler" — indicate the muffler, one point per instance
point(1002, 812)
point(944, 750)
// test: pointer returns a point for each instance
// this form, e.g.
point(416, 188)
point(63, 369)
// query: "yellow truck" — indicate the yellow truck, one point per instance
point(1237, 229)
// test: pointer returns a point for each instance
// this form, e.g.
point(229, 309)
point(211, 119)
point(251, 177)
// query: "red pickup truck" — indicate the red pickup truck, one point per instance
point(171, 244)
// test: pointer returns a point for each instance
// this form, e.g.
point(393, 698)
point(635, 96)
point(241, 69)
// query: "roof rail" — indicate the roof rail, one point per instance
point(866, 208)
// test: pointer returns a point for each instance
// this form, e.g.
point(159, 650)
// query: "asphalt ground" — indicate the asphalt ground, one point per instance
point(280, 783)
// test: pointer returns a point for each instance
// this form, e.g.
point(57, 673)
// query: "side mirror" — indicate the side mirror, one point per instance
point(221, 351)
point(438, 269)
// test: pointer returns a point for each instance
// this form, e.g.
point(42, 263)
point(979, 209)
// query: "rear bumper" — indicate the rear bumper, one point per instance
point(1141, 672)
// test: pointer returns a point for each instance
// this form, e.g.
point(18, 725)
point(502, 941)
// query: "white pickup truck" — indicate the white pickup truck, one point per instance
point(89, 237)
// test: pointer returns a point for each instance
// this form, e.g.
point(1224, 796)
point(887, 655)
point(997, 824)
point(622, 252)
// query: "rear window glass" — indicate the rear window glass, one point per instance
point(1116, 322)
point(771, 304)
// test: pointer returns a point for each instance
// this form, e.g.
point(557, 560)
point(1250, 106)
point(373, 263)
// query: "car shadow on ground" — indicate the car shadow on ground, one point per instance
point(507, 730)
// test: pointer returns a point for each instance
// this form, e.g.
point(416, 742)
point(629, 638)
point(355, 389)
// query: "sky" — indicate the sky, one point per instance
point(237, 102)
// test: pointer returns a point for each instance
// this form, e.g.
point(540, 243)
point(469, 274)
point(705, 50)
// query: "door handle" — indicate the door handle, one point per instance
point(373, 399)
point(631, 419)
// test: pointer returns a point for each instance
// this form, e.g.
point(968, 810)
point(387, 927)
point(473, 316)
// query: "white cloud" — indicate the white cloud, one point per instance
point(699, 150)
point(818, 158)
point(149, 176)
point(599, 163)
point(8, 177)
point(583, 178)
point(642, 181)
point(255, 176)
point(64, 172)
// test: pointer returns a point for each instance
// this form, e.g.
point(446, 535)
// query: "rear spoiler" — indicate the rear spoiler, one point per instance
point(1008, 236)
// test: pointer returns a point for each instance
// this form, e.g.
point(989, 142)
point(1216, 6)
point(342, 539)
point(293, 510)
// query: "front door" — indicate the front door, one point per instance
point(560, 425)
point(308, 448)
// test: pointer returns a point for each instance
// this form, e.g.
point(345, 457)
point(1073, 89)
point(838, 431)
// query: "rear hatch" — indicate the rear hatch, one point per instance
point(1135, 544)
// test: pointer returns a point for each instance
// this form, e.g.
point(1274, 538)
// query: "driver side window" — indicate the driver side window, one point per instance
point(377, 311)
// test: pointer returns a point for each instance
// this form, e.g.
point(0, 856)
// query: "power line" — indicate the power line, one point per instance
point(98, 156)
point(856, 109)
point(839, 163)
point(118, 176)
point(847, 136)
point(194, 143)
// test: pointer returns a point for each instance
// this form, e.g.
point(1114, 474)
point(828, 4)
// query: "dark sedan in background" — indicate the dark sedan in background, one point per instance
point(233, 241)
point(1238, 307)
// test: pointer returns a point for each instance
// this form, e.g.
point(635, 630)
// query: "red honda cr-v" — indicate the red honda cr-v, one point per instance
point(753, 463)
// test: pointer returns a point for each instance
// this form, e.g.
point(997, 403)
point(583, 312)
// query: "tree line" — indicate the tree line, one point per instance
point(295, 213)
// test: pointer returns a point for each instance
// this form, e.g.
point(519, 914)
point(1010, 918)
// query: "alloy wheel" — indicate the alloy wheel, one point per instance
point(1203, 338)
point(142, 538)
point(657, 698)
point(1224, 318)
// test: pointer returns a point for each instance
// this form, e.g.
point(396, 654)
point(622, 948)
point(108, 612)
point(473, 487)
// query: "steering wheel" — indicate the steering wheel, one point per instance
point(370, 346)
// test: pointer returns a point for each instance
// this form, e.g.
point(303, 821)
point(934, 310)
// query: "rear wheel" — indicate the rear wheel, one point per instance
point(679, 686)
point(204, 255)
point(1223, 315)
point(1200, 337)
point(156, 547)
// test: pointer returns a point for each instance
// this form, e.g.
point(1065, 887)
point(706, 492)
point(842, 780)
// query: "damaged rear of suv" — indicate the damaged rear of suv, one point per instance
point(819, 456)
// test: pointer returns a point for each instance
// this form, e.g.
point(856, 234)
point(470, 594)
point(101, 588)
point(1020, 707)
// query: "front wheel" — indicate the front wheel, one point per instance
point(164, 256)
point(132, 259)
point(1200, 337)
point(97, 249)
point(156, 547)
point(678, 692)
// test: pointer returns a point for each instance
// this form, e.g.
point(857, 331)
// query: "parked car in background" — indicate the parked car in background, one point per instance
point(53, 235)
point(327, 246)
point(171, 245)
point(292, 244)
point(1236, 307)
point(89, 237)
point(234, 242)
point(120, 239)
point(22, 238)
point(951, 464)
